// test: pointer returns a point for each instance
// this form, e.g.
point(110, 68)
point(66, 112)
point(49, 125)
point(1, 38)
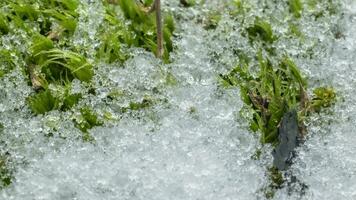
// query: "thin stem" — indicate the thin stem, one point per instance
point(157, 5)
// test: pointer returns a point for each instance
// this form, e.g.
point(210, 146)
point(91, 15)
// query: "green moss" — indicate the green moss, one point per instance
point(296, 7)
point(171, 80)
point(70, 100)
point(295, 30)
point(7, 61)
point(64, 65)
point(276, 183)
point(187, 3)
point(5, 173)
point(88, 120)
point(4, 27)
point(143, 27)
point(212, 21)
point(261, 29)
point(323, 97)
point(140, 105)
point(40, 43)
point(43, 102)
point(113, 38)
point(270, 94)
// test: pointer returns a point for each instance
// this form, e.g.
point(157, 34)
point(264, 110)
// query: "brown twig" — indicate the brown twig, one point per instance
point(156, 6)
point(159, 29)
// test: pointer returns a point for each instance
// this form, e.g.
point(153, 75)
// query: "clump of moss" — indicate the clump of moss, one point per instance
point(115, 36)
point(7, 62)
point(187, 3)
point(61, 64)
point(5, 172)
point(143, 26)
point(270, 94)
point(47, 100)
point(43, 102)
point(323, 97)
point(277, 181)
point(4, 27)
point(296, 7)
point(261, 29)
point(212, 20)
point(88, 119)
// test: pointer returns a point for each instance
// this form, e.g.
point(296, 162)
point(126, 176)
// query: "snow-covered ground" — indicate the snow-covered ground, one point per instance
point(191, 145)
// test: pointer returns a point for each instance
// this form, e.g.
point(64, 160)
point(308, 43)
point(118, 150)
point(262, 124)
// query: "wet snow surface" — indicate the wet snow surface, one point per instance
point(193, 144)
